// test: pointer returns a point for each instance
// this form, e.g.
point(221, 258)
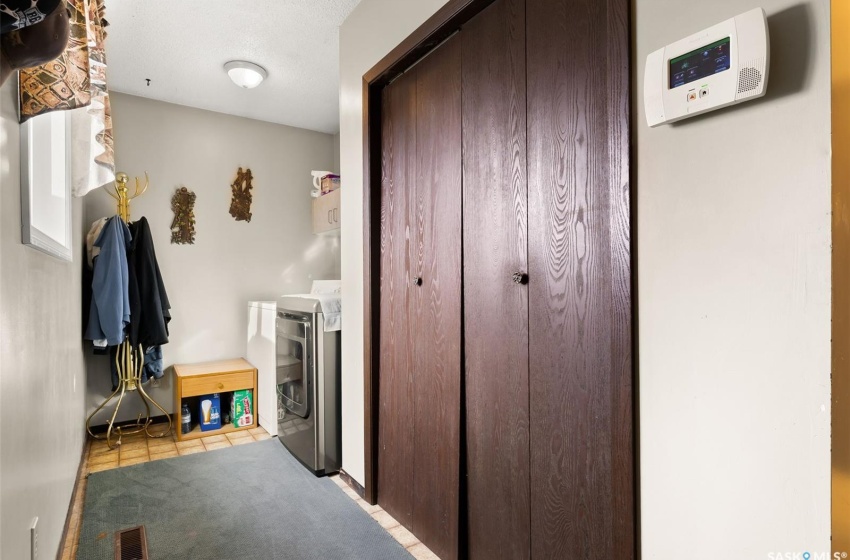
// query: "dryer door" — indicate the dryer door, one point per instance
point(294, 363)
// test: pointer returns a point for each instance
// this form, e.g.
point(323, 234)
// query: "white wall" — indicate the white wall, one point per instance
point(734, 300)
point(734, 287)
point(336, 153)
point(42, 374)
point(372, 30)
point(209, 283)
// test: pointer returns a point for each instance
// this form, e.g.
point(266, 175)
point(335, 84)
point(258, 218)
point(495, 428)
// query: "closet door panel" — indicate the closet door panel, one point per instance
point(495, 307)
point(436, 329)
point(396, 387)
point(582, 483)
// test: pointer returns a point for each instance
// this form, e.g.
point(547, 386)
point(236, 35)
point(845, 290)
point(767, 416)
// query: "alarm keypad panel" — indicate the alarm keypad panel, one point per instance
point(719, 66)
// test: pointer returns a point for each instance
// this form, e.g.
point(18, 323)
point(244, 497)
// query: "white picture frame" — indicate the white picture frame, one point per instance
point(46, 184)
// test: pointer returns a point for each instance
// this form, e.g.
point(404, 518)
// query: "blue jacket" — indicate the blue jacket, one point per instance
point(110, 306)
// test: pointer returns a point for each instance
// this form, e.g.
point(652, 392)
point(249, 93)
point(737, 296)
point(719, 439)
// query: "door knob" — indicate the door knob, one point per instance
point(221, 385)
point(417, 281)
point(520, 278)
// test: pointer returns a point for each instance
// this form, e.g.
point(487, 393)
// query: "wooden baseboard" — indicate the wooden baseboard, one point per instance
point(101, 428)
point(73, 497)
point(353, 484)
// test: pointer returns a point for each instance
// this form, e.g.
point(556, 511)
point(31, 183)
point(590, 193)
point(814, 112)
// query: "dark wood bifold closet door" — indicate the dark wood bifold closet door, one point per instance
point(420, 359)
point(495, 228)
point(395, 456)
point(436, 328)
point(579, 292)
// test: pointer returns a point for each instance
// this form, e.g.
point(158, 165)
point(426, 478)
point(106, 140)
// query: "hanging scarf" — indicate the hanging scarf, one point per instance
point(77, 81)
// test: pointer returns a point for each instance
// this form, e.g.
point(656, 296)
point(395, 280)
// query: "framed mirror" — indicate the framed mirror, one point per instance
point(46, 184)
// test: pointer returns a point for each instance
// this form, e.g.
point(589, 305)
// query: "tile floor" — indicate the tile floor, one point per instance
point(407, 539)
point(137, 449)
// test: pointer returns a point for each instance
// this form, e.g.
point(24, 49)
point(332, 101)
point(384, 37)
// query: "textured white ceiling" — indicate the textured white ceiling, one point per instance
point(182, 47)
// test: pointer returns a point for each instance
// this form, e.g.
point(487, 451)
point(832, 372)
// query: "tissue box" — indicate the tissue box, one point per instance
point(242, 408)
point(209, 412)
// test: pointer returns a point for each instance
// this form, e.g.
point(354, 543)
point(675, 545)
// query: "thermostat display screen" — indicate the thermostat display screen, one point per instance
point(697, 64)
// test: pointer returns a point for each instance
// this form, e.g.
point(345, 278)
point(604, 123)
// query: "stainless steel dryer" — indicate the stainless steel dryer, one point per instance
point(308, 384)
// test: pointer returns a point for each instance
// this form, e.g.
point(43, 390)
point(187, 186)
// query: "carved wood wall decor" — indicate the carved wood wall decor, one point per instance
point(240, 205)
point(183, 225)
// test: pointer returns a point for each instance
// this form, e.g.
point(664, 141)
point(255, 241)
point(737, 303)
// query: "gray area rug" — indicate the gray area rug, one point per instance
point(250, 501)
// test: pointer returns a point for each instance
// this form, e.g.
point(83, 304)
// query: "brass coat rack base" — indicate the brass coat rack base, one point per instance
point(130, 362)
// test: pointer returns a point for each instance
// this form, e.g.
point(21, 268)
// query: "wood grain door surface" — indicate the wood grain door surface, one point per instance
point(495, 239)
point(437, 301)
point(506, 150)
point(419, 422)
point(395, 413)
point(580, 359)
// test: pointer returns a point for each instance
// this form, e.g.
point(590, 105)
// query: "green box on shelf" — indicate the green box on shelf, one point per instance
point(242, 408)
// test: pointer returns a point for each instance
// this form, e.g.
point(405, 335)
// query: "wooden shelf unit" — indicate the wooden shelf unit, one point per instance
point(223, 376)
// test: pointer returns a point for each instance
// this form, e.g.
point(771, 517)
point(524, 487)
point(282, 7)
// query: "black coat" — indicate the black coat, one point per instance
point(150, 311)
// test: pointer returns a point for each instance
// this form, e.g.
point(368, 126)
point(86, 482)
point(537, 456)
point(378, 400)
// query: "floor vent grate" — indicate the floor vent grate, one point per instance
point(131, 544)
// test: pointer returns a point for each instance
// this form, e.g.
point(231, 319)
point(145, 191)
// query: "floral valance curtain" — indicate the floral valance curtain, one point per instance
point(76, 81)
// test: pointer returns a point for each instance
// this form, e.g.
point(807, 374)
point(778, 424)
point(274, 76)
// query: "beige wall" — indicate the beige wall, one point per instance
point(840, 276)
point(733, 265)
point(209, 283)
point(373, 29)
point(42, 375)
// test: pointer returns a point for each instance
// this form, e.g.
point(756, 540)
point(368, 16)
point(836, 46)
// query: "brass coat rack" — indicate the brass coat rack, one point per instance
point(129, 361)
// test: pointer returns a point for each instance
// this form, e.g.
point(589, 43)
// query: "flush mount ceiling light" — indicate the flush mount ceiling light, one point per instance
point(245, 74)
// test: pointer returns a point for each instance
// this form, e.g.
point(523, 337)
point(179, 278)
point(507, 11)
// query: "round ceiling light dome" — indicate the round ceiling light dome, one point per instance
point(245, 74)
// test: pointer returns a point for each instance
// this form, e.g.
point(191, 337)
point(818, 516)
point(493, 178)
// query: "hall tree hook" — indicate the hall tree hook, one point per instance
point(121, 193)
